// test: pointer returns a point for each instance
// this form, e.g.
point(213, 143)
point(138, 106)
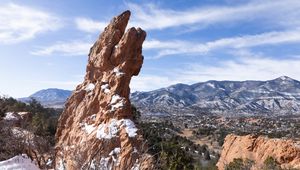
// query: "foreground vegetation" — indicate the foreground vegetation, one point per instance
point(239, 164)
point(38, 131)
point(172, 151)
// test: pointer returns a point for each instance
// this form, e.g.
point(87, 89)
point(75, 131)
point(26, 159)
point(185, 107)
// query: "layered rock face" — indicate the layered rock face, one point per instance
point(258, 149)
point(96, 130)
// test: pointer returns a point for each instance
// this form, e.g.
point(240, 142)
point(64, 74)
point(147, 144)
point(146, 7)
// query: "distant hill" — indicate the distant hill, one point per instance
point(279, 96)
point(52, 97)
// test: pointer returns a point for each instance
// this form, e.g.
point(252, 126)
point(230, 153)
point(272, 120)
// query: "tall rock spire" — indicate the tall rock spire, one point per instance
point(96, 131)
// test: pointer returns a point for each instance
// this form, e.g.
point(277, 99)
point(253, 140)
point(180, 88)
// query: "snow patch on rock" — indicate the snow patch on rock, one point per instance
point(88, 128)
point(136, 165)
point(115, 156)
point(49, 162)
point(111, 129)
point(117, 106)
point(129, 127)
point(115, 98)
point(104, 164)
point(90, 87)
point(118, 72)
point(116, 102)
point(108, 130)
point(61, 165)
point(105, 88)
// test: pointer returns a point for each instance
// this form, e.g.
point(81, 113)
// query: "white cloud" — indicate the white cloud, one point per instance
point(74, 48)
point(249, 66)
point(150, 82)
point(70, 85)
point(283, 14)
point(19, 23)
point(244, 69)
point(165, 48)
point(89, 25)
point(272, 12)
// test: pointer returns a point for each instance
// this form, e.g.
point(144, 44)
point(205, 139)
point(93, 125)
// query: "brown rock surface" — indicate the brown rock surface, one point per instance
point(96, 131)
point(258, 149)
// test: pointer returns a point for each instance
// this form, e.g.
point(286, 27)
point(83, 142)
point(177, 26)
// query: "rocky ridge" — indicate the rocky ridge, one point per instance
point(258, 149)
point(96, 131)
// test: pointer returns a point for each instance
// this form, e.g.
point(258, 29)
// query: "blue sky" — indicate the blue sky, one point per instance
point(44, 44)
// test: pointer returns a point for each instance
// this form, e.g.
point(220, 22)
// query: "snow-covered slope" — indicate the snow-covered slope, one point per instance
point(20, 162)
point(278, 96)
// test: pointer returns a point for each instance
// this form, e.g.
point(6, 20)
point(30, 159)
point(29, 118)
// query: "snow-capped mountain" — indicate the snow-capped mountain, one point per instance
point(50, 97)
point(278, 96)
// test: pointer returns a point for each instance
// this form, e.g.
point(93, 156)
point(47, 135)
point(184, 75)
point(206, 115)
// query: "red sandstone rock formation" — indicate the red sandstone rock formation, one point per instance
point(96, 130)
point(258, 149)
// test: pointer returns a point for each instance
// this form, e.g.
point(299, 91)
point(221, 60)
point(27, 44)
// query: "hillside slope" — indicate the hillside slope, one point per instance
point(52, 97)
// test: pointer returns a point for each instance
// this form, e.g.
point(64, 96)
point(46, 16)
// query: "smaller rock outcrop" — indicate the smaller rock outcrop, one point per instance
point(258, 149)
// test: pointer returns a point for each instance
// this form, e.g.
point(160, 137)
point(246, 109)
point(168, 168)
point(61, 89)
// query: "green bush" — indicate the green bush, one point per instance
point(271, 164)
point(240, 164)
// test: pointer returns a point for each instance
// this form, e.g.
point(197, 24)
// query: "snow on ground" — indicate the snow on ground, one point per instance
point(10, 116)
point(118, 72)
point(20, 162)
point(111, 129)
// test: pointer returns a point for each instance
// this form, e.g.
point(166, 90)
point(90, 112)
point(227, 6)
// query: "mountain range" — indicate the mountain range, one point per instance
point(280, 96)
